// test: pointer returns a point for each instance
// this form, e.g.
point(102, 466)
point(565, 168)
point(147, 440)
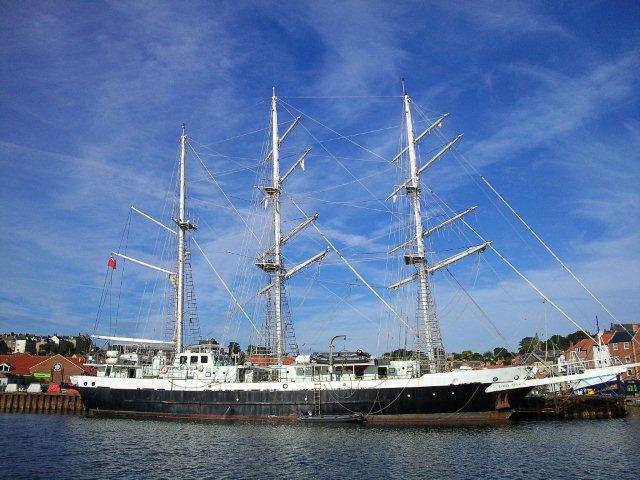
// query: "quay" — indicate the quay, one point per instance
point(568, 407)
point(49, 403)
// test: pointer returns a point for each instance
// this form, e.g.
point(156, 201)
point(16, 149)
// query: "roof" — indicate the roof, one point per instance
point(586, 343)
point(23, 363)
point(20, 362)
point(621, 336)
point(631, 327)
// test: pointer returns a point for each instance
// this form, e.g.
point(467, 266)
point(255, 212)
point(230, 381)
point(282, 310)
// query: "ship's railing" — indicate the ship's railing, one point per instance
point(309, 374)
point(575, 366)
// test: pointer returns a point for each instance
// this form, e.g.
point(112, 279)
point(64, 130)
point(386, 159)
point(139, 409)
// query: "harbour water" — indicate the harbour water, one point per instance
point(43, 446)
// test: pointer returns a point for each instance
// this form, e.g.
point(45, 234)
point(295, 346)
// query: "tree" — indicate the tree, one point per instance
point(502, 353)
point(466, 355)
point(576, 336)
point(529, 344)
point(557, 342)
point(234, 347)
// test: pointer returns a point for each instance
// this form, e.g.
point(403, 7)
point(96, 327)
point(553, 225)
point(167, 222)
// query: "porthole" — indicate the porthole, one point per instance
point(495, 379)
point(408, 395)
point(434, 394)
point(85, 384)
point(285, 386)
point(517, 377)
point(93, 384)
point(453, 393)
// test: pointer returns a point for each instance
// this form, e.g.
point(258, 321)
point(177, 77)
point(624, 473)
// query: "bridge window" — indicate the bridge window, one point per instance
point(183, 359)
point(204, 359)
point(194, 359)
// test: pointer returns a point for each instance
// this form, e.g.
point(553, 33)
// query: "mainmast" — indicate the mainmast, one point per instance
point(271, 259)
point(429, 343)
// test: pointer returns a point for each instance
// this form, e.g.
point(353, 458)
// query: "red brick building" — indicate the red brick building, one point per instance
point(626, 346)
point(583, 349)
point(51, 368)
point(623, 343)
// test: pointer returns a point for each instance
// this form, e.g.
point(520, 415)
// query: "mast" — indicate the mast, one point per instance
point(183, 226)
point(270, 260)
point(429, 344)
point(277, 234)
point(429, 327)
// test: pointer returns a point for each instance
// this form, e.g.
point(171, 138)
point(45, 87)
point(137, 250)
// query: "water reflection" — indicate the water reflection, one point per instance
point(39, 446)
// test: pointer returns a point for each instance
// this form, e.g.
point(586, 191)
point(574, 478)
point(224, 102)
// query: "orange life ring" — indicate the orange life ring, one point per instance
point(164, 369)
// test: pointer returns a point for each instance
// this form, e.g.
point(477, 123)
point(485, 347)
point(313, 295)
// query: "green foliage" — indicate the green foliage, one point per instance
point(576, 337)
point(529, 344)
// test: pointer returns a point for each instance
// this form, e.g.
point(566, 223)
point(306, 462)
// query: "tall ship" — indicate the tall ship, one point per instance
point(200, 380)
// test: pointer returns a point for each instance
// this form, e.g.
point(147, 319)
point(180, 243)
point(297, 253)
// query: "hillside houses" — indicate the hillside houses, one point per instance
point(44, 344)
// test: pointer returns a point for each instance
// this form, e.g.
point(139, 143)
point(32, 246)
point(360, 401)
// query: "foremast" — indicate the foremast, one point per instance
point(176, 278)
point(184, 226)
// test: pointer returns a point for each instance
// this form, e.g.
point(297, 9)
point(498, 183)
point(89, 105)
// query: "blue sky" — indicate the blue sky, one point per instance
point(93, 95)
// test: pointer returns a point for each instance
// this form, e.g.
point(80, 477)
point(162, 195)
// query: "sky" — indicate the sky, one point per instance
point(93, 95)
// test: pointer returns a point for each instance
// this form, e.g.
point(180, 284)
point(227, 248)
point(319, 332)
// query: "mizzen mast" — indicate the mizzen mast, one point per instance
point(429, 344)
point(277, 227)
point(429, 326)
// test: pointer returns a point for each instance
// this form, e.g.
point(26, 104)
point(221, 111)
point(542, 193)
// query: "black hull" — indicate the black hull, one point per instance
point(389, 405)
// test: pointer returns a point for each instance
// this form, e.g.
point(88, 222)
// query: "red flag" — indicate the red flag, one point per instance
point(111, 263)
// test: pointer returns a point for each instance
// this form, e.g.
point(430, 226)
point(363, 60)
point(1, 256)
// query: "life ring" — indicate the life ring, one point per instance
point(285, 386)
point(164, 369)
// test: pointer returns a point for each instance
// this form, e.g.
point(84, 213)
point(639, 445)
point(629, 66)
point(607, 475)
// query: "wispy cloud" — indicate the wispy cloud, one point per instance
point(96, 94)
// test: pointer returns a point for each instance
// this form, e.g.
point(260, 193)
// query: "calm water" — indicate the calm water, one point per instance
point(40, 446)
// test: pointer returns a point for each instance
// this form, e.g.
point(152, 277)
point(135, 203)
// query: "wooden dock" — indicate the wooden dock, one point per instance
point(566, 407)
point(49, 403)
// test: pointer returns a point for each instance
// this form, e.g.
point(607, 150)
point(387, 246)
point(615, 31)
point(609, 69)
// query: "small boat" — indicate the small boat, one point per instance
point(340, 357)
point(349, 418)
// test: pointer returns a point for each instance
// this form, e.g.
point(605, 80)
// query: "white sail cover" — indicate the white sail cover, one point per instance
point(147, 342)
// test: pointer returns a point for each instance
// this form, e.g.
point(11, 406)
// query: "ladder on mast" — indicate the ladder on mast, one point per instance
point(191, 306)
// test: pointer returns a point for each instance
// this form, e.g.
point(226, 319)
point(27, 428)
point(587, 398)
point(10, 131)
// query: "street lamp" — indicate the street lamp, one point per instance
point(331, 354)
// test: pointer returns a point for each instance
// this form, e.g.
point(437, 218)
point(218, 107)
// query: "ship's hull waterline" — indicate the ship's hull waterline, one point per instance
point(466, 403)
